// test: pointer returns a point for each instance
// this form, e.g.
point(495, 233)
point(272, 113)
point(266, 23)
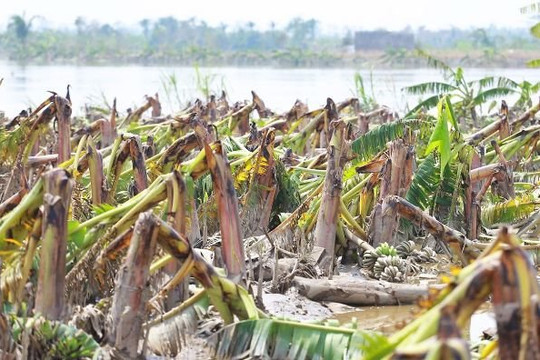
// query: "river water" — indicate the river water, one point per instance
point(389, 319)
point(25, 86)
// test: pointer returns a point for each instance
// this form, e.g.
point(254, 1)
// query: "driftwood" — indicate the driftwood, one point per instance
point(360, 292)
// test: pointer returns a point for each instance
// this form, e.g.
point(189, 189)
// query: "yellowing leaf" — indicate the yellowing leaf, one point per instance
point(14, 242)
point(249, 167)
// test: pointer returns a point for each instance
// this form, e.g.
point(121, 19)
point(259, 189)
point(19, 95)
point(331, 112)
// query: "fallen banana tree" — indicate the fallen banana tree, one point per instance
point(106, 219)
point(503, 271)
point(129, 302)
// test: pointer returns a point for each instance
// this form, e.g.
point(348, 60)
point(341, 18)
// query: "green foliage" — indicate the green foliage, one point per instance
point(522, 142)
point(288, 196)
point(498, 81)
point(534, 63)
point(510, 211)
point(20, 26)
point(11, 140)
point(425, 181)
point(493, 93)
point(532, 8)
point(169, 39)
point(204, 188)
point(76, 234)
point(426, 104)
point(532, 177)
point(435, 63)
point(102, 208)
point(526, 91)
point(374, 141)
point(466, 96)
point(440, 138)
point(432, 192)
point(429, 87)
point(206, 83)
point(281, 339)
point(367, 101)
point(169, 83)
point(535, 31)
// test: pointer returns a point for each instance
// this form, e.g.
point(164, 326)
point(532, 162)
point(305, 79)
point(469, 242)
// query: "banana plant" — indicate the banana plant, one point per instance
point(466, 96)
point(215, 173)
point(532, 8)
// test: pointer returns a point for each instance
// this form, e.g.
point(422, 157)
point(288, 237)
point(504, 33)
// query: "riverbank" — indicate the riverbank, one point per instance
point(294, 58)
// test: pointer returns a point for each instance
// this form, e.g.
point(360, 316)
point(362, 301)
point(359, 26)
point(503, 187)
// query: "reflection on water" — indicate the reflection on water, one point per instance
point(279, 88)
point(389, 319)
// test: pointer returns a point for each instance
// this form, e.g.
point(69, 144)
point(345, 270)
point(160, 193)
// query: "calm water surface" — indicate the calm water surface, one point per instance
point(26, 85)
point(389, 319)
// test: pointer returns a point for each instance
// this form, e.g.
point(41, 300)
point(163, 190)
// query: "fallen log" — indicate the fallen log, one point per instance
point(360, 292)
point(440, 231)
point(35, 161)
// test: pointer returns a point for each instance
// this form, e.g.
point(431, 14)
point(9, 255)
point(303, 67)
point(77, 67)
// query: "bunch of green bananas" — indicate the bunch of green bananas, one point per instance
point(392, 266)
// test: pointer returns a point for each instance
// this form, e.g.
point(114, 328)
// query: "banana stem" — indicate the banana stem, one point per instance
point(30, 202)
point(134, 204)
point(110, 167)
point(177, 310)
point(352, 222)
point(80, 148)
point(349, 195)
point(162, 262)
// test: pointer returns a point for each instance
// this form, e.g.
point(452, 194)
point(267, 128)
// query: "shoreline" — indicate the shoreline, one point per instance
point(369, 60)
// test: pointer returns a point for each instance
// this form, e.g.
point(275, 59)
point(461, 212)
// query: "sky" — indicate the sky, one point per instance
point(335, 15)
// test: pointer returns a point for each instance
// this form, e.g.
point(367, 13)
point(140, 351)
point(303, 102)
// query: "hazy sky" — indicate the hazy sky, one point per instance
point(338, 14)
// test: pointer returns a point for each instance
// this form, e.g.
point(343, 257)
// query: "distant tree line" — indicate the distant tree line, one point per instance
point(166, 39)
point(465, 39)
point(169, 40)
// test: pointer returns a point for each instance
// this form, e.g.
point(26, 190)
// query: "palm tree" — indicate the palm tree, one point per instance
point(466, 96)
point(80, 23)
point(145, 24)
point(20, 26)
point(301, 32)
point(533, 8)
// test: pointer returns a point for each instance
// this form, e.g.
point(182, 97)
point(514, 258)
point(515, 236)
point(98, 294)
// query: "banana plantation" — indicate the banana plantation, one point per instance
point(142, 234)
